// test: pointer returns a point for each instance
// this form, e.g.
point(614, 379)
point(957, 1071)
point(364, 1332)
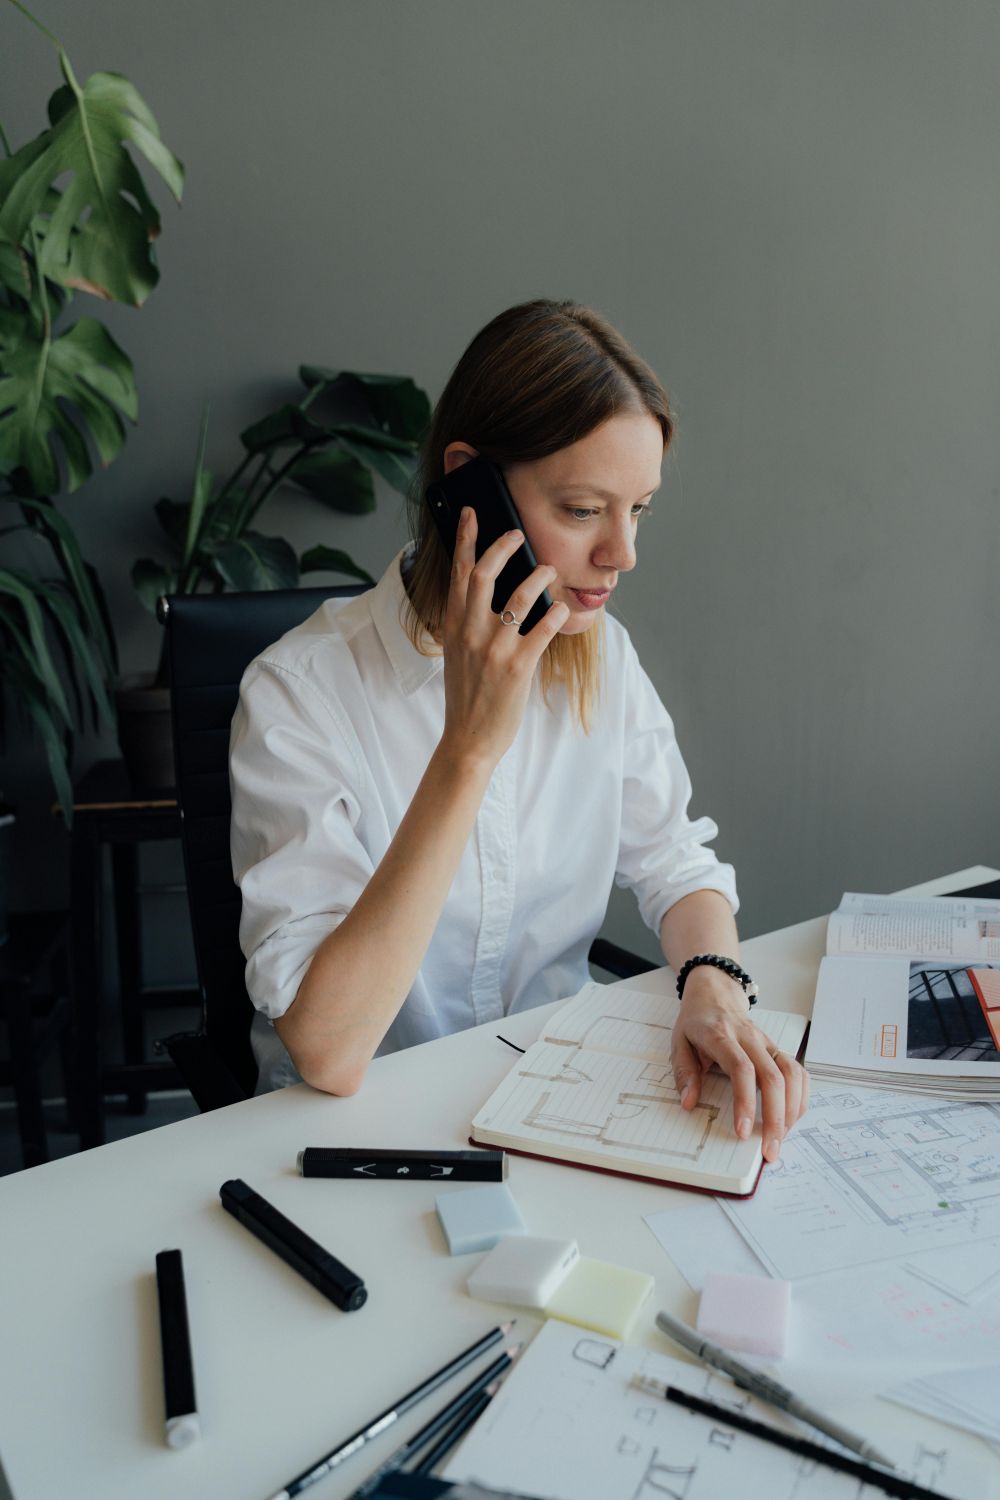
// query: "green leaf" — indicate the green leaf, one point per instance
point(396, 465)
point(257, 562)
point(151, 580)
point(289, 424)
point(331, 560)
point(335, 478)
point(32, 698)
point(84, 368)
point(80, 578)
point(38, 657)
point(395, 401)
point(80, 653)
point(98, 236)
point(201, 489)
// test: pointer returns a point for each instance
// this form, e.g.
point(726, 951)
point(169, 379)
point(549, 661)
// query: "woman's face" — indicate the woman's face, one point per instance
point(580, 507)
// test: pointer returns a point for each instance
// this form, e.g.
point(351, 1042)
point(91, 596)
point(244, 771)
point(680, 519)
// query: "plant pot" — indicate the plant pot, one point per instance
point(145, 733)
point(6, 865)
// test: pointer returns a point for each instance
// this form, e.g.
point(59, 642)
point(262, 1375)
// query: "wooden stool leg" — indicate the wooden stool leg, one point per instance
point(27, 1082)
point(128, 937)
point(85, 948)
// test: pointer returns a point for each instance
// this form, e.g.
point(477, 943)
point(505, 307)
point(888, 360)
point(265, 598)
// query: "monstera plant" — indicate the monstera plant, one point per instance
point(75, 217)
point(346, 428)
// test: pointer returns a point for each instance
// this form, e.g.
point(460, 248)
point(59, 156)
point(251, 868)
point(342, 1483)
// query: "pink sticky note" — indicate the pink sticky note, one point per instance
point(749, 1313)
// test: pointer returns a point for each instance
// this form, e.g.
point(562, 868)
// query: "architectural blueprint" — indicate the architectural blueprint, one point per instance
point(869, 1175)
point(568, 1424)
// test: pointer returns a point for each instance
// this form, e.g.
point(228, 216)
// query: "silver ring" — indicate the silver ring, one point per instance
point(509, 618)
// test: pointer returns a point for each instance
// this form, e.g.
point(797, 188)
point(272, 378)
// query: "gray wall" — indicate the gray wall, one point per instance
point(790, 206)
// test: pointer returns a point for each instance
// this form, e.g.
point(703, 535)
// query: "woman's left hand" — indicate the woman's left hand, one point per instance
point(716, 1026)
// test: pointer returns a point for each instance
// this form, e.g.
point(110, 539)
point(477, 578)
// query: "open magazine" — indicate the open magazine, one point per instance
point(908, 996)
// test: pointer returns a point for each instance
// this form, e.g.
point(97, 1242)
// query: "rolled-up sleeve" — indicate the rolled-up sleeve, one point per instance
point(663, 854)
point(296, 784)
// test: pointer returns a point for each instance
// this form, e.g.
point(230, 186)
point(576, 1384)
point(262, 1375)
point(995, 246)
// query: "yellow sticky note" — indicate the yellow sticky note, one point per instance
point(600, 1296)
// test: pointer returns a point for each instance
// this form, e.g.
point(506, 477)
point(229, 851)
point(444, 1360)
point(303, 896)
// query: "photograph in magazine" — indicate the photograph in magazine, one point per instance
point(954, 1012)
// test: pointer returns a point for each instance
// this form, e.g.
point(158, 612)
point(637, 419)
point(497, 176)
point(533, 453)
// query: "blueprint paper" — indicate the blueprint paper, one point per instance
point(567, 1425)
point(966, 1398)
point(699, 1238)
point(869, 1175)
point(851, 1331)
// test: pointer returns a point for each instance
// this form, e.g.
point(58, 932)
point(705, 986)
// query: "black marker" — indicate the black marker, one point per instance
point(182, 1425)
point(325, 1272)
point(434, 1166)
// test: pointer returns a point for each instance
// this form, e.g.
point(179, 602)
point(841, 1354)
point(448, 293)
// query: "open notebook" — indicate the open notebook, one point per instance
point(597, 1090)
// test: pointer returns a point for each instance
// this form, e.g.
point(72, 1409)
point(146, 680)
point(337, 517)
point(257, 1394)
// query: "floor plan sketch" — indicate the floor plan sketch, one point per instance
point(597, 1088)
point(563, 1428)
point(875, 1175)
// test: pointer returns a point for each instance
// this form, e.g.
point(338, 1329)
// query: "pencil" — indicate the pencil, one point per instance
point(892, 1483)
point(456, 1408)
point(377, 1425)
point(463, 1422)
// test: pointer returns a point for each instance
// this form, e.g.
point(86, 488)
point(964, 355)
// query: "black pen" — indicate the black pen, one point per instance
point(464, 1420)
point(891, 1482)
point(456, 1408)
point(433, 1166)
point(377, 1425)
point(181, 1412)
point(323, 1270)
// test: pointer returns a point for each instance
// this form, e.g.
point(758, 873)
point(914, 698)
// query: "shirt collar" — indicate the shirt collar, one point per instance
point(387, 603)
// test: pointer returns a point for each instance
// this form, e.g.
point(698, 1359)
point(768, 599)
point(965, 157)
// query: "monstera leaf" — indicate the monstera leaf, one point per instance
point(95, 230)
point(394, 402)
point(257, 562)
point(83, 369)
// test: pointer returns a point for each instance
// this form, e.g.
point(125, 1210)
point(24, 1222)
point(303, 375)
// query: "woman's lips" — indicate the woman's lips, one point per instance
point(592, 598)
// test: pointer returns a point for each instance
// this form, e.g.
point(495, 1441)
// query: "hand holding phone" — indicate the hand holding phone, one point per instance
point(480, 484)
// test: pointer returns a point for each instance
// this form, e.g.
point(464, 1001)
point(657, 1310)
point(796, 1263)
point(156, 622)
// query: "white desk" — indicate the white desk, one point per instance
point(281, 1374)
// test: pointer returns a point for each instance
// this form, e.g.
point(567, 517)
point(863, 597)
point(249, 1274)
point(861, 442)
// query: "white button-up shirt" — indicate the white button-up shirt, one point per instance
point(335, 727)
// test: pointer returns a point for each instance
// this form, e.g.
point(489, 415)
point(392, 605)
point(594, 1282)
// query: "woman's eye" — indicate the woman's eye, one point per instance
point(640, 511)
point(580, 513)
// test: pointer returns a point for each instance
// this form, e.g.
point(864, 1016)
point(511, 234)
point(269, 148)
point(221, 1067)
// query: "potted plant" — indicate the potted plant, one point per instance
point(67, 391)
point(346, 428)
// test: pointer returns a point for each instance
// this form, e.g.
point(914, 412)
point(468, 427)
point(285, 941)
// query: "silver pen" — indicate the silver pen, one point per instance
point(767, 1389)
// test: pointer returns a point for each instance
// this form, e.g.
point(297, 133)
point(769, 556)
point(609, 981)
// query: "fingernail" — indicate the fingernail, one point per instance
point(772, 1148)
point(517, 535)
point(687, 1092)
point(744, 1127)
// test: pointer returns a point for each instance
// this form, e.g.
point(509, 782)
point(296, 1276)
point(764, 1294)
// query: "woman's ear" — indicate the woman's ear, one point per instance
point(457, 454)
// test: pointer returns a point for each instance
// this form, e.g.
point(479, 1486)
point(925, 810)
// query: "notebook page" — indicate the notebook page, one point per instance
point(605, 1108)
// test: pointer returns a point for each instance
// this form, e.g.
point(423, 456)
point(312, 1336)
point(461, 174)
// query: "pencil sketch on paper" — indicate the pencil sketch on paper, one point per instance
point(877, 1176)
point(664, 1481)
point(913, 1165)
point(594, 1352)
point(627, 1124)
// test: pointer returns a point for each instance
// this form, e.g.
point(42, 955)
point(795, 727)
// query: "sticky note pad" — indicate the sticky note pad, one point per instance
point(476, 1218)
point(523, 1269)
point(749, 1313)
point(600, 1296)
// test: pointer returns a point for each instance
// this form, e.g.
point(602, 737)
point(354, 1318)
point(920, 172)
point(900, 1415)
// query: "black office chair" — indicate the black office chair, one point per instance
point(212, 638)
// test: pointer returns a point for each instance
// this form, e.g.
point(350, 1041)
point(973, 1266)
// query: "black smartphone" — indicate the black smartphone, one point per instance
point(480, 483)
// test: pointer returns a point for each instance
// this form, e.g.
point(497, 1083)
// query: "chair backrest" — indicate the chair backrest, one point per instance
point(212, 639)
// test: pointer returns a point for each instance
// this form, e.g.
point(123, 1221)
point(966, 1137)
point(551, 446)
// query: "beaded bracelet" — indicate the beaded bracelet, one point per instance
point(727, 965)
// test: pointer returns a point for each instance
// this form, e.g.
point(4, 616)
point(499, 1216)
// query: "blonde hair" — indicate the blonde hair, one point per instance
point(538, 377)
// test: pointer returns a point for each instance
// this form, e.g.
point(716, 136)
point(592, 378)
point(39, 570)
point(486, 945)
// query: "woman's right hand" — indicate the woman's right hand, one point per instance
point(489, 666)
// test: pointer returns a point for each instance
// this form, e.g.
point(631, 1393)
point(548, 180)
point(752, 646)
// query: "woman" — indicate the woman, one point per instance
point(429, 808)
